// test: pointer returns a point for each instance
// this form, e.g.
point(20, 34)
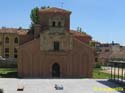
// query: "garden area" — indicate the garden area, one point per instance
point(104, 72)
point(99, 74)
point(12, 73)
point(8, 73)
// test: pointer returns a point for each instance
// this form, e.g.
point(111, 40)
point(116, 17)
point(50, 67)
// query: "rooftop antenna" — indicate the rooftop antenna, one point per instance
point(62, 3)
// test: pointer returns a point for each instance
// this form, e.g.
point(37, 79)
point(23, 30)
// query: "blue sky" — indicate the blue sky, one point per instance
point(104, 20)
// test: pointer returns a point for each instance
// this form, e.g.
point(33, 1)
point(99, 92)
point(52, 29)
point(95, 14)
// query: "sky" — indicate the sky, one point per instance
point(104, 20)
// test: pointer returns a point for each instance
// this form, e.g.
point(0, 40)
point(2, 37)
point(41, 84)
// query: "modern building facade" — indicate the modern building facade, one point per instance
point(54, 50)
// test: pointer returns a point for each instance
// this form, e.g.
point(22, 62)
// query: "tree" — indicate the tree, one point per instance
point(92, 44)
point(31, 31)
point(45, 7)
point(79, 29)
point(35, 16)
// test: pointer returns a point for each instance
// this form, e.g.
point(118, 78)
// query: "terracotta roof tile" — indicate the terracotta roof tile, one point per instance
point(76, 33)
point(14, 30)
point(54, 9)
point(120, 54)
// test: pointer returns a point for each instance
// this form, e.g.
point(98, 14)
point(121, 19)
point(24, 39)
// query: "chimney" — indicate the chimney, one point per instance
point(37, 28)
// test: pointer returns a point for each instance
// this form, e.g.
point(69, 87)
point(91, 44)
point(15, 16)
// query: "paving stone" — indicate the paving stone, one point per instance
point(48, 85)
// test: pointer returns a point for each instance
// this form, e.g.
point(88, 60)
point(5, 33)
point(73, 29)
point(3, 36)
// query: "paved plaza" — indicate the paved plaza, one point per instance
point(48, 85)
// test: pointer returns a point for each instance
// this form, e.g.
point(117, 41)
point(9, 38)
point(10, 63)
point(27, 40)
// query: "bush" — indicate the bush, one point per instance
point(8, 72)
point(9, 75)
point(8, 64)
point(35, 16)
point(98, 66)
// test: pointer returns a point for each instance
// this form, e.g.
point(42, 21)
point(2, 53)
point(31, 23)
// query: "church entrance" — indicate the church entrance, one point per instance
point(55, 70)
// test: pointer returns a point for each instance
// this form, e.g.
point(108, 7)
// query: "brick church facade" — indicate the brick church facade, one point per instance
point(54, 50)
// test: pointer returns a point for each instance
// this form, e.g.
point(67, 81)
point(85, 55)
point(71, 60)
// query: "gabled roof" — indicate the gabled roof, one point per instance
point(55, 10)
point(13, 31)
point(76, 33)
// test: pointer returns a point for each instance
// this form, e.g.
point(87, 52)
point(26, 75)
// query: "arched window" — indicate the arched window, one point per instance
point(54, 24)
point(16, 40)
point(6, 40)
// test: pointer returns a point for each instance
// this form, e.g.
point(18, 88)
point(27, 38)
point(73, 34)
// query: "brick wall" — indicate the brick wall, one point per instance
point(74, 64)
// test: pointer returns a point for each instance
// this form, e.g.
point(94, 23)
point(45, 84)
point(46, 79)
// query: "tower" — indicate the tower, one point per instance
point(55, 30)
point(54, 19)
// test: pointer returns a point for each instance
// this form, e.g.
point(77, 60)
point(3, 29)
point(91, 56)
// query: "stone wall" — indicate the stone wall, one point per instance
point(47, 38)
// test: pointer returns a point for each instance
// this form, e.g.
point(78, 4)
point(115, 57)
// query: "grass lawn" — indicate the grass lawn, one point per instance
point(100, 75)
point(12, 73)
point(8, 72)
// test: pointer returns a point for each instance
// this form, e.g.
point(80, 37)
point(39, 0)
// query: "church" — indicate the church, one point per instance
point(55, 51)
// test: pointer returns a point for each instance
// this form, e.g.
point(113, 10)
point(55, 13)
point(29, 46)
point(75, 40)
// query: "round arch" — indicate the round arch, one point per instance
point(56, 70)
point(16, 40)
point(7, 40)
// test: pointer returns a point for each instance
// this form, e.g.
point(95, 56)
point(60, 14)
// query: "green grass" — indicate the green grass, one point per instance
point(12, 73)
point(8, 72)
point(97, 74)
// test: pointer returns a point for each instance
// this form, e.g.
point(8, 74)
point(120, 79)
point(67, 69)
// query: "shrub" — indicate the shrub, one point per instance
point(98, 66)
point(35, 16)
point(8, 64)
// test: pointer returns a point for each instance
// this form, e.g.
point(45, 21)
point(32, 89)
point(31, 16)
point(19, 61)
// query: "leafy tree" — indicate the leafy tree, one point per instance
point(31, 31)
point(79, 29)
point(20, 28)
point(34, 16)
point(92, 44)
